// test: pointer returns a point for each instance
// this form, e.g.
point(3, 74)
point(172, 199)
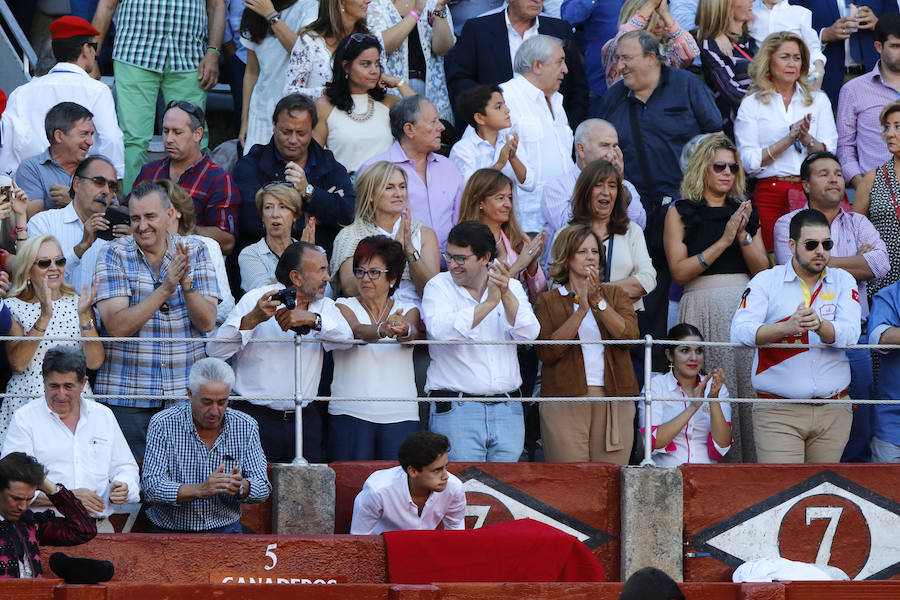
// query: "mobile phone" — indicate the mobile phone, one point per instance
point(116, 215)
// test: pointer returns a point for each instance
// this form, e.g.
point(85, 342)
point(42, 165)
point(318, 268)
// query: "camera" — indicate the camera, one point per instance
point(288, 297)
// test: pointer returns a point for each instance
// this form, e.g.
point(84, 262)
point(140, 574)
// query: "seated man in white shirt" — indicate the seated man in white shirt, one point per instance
point(266, 369)
point(386, 500)
point(77, 440)
point(476, 300)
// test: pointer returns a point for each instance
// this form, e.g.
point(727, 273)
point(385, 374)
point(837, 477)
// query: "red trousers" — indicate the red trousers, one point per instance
point(771, 201)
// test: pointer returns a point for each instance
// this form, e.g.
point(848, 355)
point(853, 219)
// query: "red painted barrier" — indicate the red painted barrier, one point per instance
point(582, 499)
point(847, 516)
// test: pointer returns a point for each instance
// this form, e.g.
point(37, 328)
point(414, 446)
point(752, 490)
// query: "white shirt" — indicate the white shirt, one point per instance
point(266, 369)
point(693, 444)
point(556, 203)
point(22, 124)
point(786, 17)
point(545, 143)
point(473, 152)
point(772, 296)
point(759, 125)
point(384, 504)
point(65, 225)
point(226, 305)
point(588, 331)
point(515, 40)
point(448, 311)
point(93, 457)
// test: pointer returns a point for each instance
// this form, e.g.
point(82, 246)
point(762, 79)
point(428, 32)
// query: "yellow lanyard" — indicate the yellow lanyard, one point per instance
point(807, 295)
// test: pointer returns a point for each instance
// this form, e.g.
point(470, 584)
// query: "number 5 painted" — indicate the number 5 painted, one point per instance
point(270, 553)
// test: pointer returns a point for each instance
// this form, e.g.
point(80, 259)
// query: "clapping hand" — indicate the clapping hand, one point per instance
point(309, 231)
point(86, 301)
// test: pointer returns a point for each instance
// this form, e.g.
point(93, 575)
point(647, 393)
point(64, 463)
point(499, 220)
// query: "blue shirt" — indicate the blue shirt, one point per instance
point(601, 23)
point(680, 107)
point(885, 313)
point(177, 456)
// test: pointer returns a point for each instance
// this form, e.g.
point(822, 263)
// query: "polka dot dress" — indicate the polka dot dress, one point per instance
point(884, 217)
point(64, 322)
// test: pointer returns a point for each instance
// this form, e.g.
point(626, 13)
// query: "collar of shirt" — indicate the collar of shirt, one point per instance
point(760, 5)
point(46, 158)
point(791, 275)
point(68, 213)
point(187, 421)
point(470, 135)
point(663, 81)
point(167, 163)
point(83, 414)
point(172, 239)
point(510, 29)
point(397, 155)
point(68, 67)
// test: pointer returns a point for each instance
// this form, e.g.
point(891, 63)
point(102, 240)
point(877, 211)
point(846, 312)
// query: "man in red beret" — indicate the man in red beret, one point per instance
point(22, 124)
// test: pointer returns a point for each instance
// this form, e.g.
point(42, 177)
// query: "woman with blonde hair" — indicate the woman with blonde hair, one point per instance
point(714, 246)
point(382, 208)
point(584, 309)
point(44, 305)
point(278, 205)
point(654, 16)
point(488, 197)
point(726, 49)
point(781, 101)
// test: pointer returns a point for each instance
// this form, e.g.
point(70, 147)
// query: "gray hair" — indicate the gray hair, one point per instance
point(588, 126)
point(687, 151)
point(210, 370)
point(405, 111)
point(649, 44)
point(64, 359)
point(538, 48)
point(142, 190)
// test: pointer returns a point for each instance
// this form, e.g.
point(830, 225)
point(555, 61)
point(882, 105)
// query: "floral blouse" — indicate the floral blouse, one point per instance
point(309, 69)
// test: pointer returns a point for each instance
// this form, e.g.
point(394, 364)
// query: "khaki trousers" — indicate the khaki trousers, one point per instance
point(798, 433)
point(587, 431)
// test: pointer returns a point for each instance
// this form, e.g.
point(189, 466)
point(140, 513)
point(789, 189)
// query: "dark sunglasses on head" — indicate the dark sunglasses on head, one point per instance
point(44, 263)
point(188, 107)
point(718, 167)
point(811, 245)
point(362, 37)
point(101, 181)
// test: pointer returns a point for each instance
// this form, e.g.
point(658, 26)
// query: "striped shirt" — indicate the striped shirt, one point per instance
point(177, 456)
point(161, 35)
point(153, 368)
point(215, 196)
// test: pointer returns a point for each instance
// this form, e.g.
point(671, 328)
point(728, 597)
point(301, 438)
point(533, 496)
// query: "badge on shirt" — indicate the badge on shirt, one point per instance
point(827, 311)
point(855, 295)
point(744, 298)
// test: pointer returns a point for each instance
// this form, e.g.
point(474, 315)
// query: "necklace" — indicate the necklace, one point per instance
point(364, 116)
point(378, 321)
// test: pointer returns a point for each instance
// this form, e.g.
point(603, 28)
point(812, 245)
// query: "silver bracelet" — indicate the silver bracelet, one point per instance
point(702, 260)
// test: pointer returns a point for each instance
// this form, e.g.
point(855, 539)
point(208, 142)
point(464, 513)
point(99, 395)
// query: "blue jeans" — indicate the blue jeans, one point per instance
point(481, 431)
point(233, 528)
point(858, 448)
point(350, 438)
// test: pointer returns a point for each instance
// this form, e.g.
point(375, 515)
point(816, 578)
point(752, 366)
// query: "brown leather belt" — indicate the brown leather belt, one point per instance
point(841, 394)
point(781, 179)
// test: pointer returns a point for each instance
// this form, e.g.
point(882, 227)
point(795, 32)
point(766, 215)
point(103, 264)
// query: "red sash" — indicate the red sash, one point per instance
point(769, 357)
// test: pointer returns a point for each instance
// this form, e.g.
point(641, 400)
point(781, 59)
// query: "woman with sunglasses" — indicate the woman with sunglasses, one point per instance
point(43, 304)
point(696, 429)
point(374, 430)
point(714, 245)
point(382, 208)
point(353, 114)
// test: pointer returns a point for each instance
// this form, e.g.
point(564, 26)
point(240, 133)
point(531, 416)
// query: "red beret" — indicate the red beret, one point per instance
point(71, 26)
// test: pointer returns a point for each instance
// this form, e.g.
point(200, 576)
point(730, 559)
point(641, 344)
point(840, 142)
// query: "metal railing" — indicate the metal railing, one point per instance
point(298, 398)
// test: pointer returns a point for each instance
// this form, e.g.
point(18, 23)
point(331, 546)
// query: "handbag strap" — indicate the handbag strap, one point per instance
point(887, 179)
point(609, 252)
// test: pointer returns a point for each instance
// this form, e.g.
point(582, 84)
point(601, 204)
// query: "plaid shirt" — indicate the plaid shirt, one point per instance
point(151, 368)
point(216, 198)
point(156, 34)
point(177, 456)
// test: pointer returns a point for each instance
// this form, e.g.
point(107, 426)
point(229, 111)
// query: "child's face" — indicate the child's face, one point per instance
point(496, 113)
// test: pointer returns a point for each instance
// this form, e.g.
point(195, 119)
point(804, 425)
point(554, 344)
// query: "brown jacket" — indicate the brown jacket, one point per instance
point(562, 373)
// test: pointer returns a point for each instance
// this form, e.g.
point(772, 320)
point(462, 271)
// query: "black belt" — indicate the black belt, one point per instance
point(416, 74)
point(284, 415)
point(855, 70)
point(453, 394)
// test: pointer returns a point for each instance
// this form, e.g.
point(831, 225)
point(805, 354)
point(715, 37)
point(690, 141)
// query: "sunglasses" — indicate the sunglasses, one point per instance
point(373, 274)
point(275, 184)
point(44, 263)
point(362, 37)
point(718, 167)
point(459, 259)
point(811, 245)
point(99, 181)
point(188, 107)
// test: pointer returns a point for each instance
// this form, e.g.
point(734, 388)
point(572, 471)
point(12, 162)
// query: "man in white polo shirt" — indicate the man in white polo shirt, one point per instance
point(419, 494)
point(801, 302)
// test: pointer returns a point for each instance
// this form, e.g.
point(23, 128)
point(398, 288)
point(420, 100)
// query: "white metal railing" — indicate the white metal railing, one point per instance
point(298, 398)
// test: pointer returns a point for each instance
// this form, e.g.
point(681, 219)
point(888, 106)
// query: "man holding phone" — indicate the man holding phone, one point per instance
point(82, 227)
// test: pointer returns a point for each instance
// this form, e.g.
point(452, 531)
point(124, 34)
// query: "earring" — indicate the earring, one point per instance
point(342, 9)
point(481, 207)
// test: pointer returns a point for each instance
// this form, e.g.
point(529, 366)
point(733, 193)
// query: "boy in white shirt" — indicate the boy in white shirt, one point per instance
point(482, 145)
point(419, 494)
point(778, 15)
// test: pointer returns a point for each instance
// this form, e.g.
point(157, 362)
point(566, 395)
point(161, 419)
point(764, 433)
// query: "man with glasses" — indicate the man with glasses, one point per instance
point(801, 302)
point(215, 196)
point(296, 304)
point(77, 227)
point(859, 250)
point(22, 125)
point(476, 300)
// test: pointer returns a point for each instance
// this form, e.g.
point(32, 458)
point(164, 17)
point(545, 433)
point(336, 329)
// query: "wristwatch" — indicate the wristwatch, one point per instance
point(441, 14)
point(317, 324)
point(413, 256)
point(309, 190)
point(274, 19)
point(748, 239)
point(87, 327)
point(601, 305)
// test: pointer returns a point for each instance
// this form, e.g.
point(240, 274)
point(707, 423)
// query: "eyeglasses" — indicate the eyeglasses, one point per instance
point(188, 107)
point(811, 245)
point(718, 167)
point(112, 184)
point(459, 259)
point(362, 37)
point(373, 274)
point(44, 263)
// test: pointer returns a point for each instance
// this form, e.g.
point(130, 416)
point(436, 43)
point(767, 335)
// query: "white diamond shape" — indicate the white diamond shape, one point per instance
point(757, 537)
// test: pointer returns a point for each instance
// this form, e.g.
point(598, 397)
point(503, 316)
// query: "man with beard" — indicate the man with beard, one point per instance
point(801, 302)
point(296, 304)
point(76, 227)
